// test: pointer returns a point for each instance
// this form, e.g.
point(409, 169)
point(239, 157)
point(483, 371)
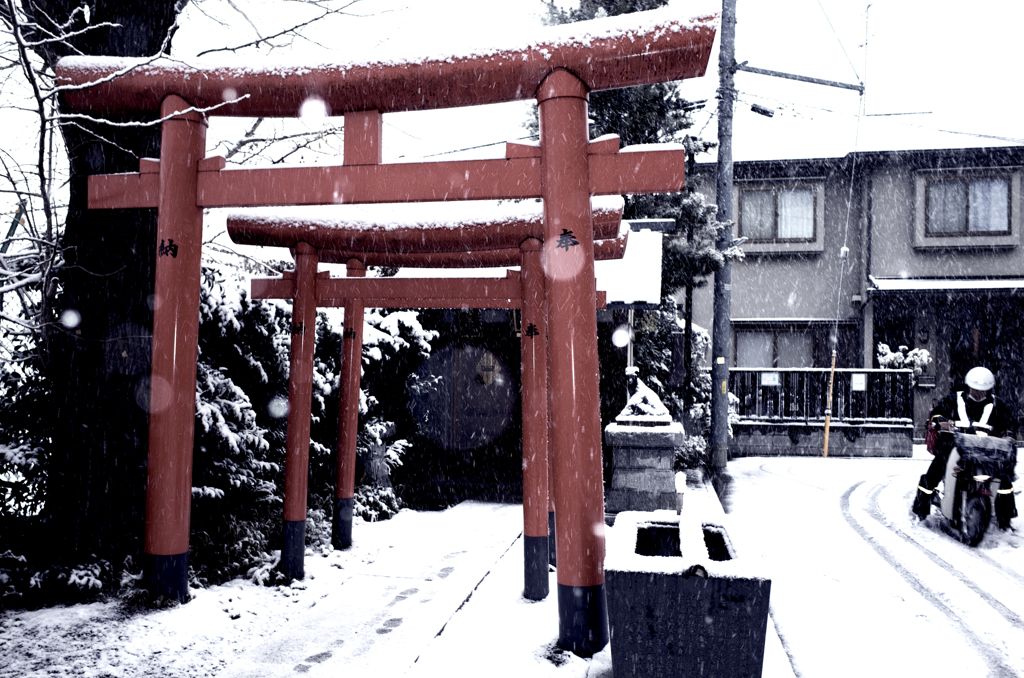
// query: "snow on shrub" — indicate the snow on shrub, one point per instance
point(915, 359)
point(376, 503)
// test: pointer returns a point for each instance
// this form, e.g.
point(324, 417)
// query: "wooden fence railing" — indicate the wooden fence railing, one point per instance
point(801, 394)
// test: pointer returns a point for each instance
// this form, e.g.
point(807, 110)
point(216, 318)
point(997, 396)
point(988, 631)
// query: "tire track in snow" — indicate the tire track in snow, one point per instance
point(946, 529)
point(790, 476)
point(1012, 574)
point(954, 571)
point(992, 656)
point(1008, 572)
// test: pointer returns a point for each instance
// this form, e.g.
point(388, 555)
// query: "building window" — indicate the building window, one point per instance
point(777, 214)
point(782, 348)
point(967, 209)
point(968, 206)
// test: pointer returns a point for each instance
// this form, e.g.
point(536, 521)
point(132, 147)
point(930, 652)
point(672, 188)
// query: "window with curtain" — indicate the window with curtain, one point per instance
point(777, 213)
point(968, 205)
point(794, 349)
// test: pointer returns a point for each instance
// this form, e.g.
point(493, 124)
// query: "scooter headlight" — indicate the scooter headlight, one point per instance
point(982, 479)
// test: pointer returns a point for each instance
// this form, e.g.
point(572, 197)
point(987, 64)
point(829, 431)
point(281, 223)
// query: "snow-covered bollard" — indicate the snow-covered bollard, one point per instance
point(679, 601)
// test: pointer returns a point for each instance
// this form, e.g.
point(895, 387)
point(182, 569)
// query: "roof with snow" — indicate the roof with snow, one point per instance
point(944, 284)
point(634, 281)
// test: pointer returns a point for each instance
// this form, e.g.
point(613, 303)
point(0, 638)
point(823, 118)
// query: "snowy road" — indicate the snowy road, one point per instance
point(860, 587)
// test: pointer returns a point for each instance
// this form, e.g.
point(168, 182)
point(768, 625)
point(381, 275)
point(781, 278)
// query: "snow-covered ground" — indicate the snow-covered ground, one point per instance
point(859, 588)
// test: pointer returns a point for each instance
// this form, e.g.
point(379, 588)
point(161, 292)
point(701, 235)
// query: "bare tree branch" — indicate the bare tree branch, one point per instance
point(293, 30)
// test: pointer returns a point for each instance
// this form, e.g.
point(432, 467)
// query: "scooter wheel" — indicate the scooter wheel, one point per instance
point(974, 520)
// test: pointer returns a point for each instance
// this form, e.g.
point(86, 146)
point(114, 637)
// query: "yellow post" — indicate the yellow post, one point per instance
point(828, 406)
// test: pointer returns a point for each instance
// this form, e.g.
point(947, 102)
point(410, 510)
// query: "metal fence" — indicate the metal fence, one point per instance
point(801, 394)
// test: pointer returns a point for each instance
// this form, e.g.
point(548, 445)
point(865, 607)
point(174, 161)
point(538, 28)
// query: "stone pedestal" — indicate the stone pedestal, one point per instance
point(643, 478)
point(680, 603)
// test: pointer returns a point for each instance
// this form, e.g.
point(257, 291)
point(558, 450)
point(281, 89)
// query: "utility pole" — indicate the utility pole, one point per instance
point(721, 328)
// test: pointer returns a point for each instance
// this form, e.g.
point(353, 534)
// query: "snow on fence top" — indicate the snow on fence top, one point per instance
point(633, 49)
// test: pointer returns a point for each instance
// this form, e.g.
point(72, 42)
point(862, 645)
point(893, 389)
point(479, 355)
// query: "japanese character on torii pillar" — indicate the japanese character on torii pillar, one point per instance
point(559, 69)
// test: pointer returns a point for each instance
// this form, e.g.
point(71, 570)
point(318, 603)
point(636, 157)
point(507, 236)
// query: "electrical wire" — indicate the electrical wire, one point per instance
point(841, 46)
point(473, 148)
point(794, 106)
point(846, 228)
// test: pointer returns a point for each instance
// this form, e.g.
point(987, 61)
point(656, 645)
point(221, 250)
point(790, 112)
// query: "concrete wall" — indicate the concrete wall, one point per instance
point(808, 440)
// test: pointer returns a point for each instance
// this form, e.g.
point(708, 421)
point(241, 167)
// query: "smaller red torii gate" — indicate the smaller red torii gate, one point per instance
point(558, 69)
point(354, 293)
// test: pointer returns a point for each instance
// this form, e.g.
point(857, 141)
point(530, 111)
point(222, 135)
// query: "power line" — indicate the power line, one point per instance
point(841, 46)
point(794, 106)
point(473, 148)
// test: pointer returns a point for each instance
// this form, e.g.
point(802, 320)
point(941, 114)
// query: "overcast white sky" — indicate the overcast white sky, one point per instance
point(953, 64)
point(951, 60)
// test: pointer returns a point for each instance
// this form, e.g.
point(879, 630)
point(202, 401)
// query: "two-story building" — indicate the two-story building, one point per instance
point(914, 248)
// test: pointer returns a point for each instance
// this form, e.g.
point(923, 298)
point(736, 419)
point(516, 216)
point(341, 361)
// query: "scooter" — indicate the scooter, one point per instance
point(975, 465)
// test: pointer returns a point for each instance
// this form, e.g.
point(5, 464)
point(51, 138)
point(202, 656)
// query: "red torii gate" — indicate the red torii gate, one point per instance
point(295, 233)
point(637, 49)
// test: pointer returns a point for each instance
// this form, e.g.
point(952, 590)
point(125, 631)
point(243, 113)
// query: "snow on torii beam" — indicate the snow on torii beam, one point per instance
point(636, 49)
point(423, 235)
point(558, 70)
point(604, 250)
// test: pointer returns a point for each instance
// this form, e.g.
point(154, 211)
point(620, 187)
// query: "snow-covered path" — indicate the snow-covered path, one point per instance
point(859, 587)
point(372, 609)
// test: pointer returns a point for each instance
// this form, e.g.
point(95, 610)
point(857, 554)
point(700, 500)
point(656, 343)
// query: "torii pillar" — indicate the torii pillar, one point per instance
point(175, 352)
point(572, 326)
point(300, 397)
point(534, 355)
point(363, 146)
point(348, 414)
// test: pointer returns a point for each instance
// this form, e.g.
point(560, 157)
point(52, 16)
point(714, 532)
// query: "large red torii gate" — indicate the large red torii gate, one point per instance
point(354, 294)
point(637, 49)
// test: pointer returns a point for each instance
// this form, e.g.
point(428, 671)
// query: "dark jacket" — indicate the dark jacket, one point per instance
point(1001, 420)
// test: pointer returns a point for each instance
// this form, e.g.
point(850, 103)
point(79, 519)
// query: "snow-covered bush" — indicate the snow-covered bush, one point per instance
point(375, 503)
point(26, 423)
point(238, 457)
point(691, 453)
point(239, 440)
point(27, 584)
point(394, 345)
point(903, 358)
point(265, 572)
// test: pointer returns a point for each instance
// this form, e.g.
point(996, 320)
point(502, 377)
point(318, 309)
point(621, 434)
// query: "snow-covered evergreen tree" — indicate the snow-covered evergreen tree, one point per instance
point(238, 454)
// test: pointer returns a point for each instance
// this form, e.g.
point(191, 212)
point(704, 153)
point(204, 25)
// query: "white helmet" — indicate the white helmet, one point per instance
point(980, 379)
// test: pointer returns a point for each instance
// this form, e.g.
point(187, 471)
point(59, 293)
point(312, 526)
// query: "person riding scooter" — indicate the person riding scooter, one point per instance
point(977, 410)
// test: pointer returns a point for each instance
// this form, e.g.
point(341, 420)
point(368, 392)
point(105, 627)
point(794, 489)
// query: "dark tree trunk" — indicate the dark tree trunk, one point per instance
point(96, 502)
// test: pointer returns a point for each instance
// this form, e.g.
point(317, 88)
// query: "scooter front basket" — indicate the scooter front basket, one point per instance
point(988, 454)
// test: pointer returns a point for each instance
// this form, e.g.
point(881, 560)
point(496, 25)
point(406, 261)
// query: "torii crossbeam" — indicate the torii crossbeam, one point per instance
point(558, 70)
